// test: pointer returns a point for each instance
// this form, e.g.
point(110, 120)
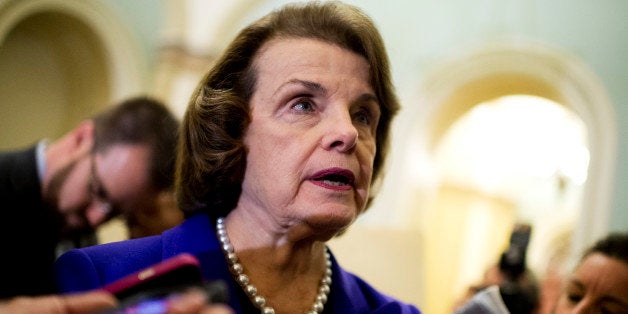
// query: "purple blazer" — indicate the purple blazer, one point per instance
point(92, 267)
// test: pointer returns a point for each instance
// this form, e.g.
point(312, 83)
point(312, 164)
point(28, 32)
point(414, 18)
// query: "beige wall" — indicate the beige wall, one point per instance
point(388, 258)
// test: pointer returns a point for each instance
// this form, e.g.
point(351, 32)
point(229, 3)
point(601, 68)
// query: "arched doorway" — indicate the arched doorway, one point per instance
point(451, 93)
point(60, 61)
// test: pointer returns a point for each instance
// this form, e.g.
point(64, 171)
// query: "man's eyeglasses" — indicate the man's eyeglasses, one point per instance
point(97, 190)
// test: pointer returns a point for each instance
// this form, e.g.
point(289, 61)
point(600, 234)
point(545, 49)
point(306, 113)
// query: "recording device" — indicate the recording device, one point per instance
point(149, 290)
point(519, 293)
point(513, 261)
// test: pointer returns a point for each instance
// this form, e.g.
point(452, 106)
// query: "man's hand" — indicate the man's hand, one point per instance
point(82, 303)
point(92, 302)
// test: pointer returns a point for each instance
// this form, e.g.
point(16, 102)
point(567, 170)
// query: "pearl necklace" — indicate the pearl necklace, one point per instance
point(260, 302)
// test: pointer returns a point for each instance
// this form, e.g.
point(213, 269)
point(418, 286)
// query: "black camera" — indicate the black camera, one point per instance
point(513, 261)
point(519, 290)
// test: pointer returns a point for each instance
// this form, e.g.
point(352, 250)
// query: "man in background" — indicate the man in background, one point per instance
point(120, 162)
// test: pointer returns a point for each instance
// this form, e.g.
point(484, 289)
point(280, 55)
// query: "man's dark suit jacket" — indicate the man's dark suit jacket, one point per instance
point(28, 229)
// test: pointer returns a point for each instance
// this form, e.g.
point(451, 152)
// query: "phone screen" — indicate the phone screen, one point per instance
point(156, 301)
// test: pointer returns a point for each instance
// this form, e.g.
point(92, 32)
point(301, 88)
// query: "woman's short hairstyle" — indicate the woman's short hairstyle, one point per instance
point(212, 154)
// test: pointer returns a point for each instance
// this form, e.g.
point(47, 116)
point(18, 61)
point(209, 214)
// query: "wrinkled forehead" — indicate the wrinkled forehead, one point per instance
point(607, 274)
point(286, 56)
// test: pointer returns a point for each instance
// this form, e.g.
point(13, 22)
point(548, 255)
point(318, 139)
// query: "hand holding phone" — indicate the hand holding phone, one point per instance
point(153, 289)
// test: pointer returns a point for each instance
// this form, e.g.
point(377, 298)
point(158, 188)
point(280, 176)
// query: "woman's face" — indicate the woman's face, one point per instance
point(311, 139)
point(598, 285)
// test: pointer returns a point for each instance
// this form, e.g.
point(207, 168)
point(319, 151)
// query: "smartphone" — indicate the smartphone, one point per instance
point(149, 290)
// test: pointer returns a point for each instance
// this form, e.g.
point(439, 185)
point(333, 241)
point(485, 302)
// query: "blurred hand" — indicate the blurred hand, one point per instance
point(190, 302)
point(195, 301)
point(82, 303)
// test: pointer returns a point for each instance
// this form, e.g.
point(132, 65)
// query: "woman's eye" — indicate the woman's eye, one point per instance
point(363, 117)
point(303, 105)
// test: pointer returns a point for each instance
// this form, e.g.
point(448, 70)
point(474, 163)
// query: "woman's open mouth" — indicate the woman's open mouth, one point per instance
point(334, 178)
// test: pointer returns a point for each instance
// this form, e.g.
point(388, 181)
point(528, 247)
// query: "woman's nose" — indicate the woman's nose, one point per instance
point(341, 134)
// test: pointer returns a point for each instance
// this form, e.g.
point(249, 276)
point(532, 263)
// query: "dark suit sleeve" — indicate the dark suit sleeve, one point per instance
point(75, 272)
point(29, 229)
